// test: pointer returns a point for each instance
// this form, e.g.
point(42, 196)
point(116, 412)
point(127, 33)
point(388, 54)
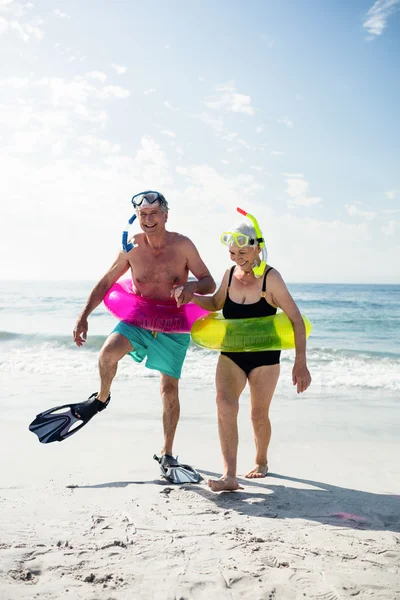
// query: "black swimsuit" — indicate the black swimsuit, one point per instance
point(247, 361)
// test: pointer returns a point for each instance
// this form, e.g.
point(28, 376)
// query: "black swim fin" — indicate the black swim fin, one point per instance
point(175, 472)
point(55, 426)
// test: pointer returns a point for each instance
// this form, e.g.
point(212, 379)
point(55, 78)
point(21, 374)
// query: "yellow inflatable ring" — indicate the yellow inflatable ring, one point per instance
point(245, 335)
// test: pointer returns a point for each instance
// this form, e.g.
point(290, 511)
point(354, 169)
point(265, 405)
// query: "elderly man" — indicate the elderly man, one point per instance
point(160, 262)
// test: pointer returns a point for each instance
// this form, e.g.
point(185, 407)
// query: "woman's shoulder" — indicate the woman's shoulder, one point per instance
point(273, 275)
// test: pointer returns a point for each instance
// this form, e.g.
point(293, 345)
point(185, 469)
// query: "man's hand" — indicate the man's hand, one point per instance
point(301, 377)
point(80, 331)
point(183, 293)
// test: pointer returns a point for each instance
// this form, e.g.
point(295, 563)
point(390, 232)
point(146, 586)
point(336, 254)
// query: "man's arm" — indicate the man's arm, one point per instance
point(118, 268)
point(205, 283)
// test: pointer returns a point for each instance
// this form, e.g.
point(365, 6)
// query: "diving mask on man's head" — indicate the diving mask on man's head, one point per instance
point(142, 200)
point(149, 198)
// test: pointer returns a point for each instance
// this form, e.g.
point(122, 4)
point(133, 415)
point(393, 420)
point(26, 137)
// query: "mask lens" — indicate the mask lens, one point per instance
point(226, 238)
point(150, 197)
point(241, 240)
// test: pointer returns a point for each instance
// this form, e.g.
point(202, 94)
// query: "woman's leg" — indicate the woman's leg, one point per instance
point(262, 382)
point(230, 382)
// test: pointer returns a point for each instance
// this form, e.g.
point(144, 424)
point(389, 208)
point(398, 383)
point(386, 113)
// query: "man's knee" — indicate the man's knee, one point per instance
point(114, 348)
point(169, 386)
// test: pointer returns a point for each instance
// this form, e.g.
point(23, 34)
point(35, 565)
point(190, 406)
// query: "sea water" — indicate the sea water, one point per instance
point(353, 356)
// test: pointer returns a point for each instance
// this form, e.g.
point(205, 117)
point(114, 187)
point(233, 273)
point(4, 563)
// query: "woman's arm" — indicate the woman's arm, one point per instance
point(215, 302)
point(282, 298)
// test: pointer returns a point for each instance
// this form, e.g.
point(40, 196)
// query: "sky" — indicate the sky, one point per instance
point(289, 110)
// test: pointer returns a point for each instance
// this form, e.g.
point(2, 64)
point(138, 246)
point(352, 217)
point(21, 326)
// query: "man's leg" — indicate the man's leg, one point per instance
point(230, 383)
point(262, 382)
point(114, 348)
point(171, 409)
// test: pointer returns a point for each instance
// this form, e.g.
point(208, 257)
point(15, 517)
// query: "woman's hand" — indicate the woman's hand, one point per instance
point(183, 293)
point(301, 376)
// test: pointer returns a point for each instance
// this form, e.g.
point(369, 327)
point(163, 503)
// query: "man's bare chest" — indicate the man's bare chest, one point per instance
point(167, 267)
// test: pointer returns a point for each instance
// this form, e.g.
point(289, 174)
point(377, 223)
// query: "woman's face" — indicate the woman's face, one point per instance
point(244, 257)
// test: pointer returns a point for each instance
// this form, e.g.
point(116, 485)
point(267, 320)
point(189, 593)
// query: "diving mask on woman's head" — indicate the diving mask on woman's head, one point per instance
point(241, 240)
point(148, 198)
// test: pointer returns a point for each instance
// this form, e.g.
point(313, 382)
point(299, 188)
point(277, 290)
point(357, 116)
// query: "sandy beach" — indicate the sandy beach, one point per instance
point(91, 518)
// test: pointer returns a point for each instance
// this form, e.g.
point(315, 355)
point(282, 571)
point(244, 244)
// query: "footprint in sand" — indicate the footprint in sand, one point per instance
point(314, 586)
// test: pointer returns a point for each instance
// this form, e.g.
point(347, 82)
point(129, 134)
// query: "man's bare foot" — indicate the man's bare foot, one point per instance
point(227, 483)
point(257, 472)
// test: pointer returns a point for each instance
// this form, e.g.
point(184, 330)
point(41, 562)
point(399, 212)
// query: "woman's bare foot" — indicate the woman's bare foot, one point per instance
point(227, 483)
point(257, 472)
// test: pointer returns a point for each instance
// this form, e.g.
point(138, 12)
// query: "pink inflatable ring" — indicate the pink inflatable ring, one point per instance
point(156, 315)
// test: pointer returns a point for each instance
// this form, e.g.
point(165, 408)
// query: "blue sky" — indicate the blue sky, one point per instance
point(287, 109)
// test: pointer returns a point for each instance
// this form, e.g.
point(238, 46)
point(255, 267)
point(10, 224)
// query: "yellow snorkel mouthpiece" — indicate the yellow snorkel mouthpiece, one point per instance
point(259, 269)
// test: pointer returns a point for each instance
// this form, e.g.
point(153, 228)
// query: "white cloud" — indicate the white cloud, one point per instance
point(120, 69)
point(390, 228)
point(102, 146)
point(286, 121)
point(218, 126)
point(60, 14)
point(98, 75)
point(216, 123)
point(391, 194)
point(354, 211)
point(28, 30)
point(3, 25)
point(168, 105)
point(15, 82)
point(297, 190)
point(114, 91)
point(16, 19)
point(276, 153)
point(25, 142)
point(230, 100)
point(260, 129)
point(377, 16)
point(149, 91)
point(169, 134)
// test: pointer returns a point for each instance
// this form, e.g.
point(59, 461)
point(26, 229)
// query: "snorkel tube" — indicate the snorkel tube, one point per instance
point(126, 246)
point(258, 270)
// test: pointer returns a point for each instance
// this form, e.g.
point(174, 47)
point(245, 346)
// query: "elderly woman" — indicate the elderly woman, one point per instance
point(251, 288)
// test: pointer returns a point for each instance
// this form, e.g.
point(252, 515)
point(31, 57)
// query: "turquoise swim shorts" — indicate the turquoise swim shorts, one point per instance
point(165, 351)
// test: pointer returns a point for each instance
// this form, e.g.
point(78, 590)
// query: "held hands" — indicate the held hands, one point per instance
point(301, 376)
point(183, 293)
point(80, 331)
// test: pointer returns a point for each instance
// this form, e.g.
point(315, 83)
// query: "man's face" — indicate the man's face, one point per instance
point(152, 219)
